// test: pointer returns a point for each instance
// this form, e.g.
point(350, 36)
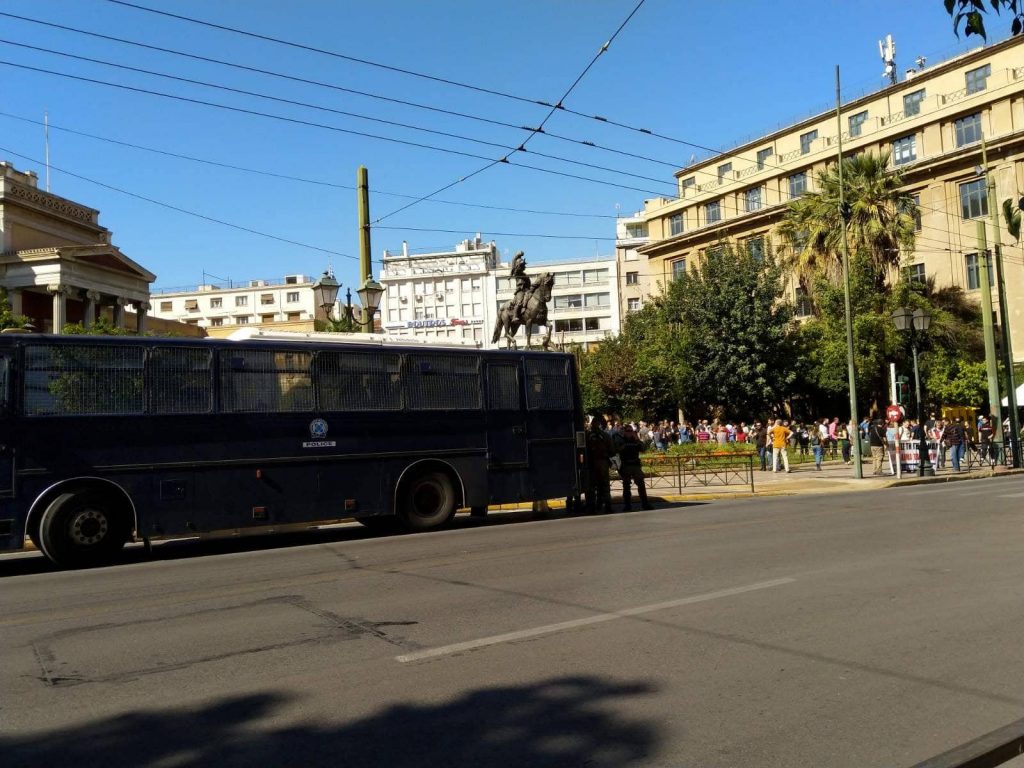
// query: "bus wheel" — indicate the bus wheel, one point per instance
point(427, 501)
point(82, 530)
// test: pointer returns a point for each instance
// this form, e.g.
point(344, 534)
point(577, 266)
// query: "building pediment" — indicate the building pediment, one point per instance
point(106, 257)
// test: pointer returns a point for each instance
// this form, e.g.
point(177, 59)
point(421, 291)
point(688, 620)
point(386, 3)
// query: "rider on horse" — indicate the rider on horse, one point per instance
point(518, 273)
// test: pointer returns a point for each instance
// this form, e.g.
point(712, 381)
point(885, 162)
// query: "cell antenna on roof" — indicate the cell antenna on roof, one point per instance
point(887, 50)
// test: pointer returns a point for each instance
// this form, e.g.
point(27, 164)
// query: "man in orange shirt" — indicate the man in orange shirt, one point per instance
point(779, 436)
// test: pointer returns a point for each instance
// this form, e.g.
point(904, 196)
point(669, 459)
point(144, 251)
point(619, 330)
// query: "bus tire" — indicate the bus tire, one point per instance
point(427, 501)
point(82, 530)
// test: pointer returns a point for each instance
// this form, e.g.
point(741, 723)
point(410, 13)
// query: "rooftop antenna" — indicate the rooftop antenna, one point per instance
point(46, 140)
point(920, 60)
point(887, 50)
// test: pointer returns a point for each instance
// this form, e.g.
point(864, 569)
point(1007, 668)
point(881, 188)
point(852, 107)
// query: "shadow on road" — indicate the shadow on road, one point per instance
point(178, 549)
point(563, 722)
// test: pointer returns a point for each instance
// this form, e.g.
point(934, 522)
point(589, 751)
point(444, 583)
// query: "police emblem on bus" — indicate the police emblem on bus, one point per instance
point(318, 429)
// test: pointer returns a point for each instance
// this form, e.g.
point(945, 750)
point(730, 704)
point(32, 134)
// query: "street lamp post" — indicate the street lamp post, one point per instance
point(915, 322)
point(326, 292)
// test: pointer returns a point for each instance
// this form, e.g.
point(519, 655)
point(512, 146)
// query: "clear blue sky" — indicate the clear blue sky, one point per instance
point(712, 74)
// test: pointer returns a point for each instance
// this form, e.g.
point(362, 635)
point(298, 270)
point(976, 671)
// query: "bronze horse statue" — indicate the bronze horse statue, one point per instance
point(534, 311)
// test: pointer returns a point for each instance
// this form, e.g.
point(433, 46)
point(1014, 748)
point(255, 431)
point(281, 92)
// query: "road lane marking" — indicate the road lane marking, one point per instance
point(1012, 495)
point(508, 637)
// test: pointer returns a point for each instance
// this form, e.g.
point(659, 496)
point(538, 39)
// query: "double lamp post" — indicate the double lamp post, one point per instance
point(916, 321)
point(326, 292)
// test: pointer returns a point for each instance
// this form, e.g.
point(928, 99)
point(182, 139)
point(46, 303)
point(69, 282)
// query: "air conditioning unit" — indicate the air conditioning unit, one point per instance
point(404, 299)
point(257, 283)
point(419, 297)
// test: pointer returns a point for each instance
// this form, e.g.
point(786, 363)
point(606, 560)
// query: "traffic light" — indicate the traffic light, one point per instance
point(902, 390)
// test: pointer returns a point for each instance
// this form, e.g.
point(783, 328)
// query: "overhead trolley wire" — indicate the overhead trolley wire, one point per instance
point(179, 209)
point(312, 124)
point(535, 131)
point(332, 86)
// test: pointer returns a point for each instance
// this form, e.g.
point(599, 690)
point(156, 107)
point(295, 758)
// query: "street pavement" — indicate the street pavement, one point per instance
point(868, 628)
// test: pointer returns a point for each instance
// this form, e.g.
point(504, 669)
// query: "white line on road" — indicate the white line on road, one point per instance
point(508, 637)
point(1012, 495)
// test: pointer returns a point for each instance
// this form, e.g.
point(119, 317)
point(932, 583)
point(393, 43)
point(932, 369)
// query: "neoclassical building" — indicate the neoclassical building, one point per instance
point(57, 263)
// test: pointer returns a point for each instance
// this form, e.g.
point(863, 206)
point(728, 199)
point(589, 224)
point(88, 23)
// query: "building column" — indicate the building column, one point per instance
point(141, 308)
point(14, 299)
point(60, 307)
point(91, 298)
point(119, 303)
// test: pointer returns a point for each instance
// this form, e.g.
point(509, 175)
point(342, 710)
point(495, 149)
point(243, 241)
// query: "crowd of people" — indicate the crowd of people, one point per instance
point(821, 438)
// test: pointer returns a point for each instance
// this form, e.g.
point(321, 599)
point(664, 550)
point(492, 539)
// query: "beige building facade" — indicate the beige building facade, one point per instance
point(58, 264)
point(635, 284)
point(931, 124)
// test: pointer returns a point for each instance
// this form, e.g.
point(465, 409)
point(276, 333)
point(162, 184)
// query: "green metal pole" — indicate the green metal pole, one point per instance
point(991, 366)
point(851, 371)
point(363, 198)
point(1013, 439)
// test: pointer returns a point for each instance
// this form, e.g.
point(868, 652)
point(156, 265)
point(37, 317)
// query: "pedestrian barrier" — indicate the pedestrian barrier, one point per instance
point(976, 455)
point(676, 472)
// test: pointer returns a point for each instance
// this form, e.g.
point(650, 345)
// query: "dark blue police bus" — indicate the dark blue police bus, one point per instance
point(111, 439)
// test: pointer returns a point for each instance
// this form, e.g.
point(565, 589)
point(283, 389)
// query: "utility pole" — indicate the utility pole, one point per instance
point(991, 366)
point(1013, 439)
point(851, 372)
point(365, 273)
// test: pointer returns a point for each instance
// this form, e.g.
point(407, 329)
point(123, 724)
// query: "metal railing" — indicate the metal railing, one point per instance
point(674, 473)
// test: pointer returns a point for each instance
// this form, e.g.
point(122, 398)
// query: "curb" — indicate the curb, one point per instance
point(952, 478)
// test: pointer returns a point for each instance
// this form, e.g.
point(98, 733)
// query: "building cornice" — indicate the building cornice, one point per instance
point(939, 69)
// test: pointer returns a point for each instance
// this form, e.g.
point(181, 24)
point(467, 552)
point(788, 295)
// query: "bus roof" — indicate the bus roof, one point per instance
point(369, 339)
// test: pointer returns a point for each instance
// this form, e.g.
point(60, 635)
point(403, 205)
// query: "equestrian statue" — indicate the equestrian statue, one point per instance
point(528, 307)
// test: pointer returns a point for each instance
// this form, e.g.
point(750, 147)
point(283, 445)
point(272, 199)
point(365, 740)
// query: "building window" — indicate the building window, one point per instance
point(762, 156)
point(216, 322)
point(216, 303)
point(806, 140)
point(192, 305)
point(572, 301)
point(916, 212)
point(241, 301)
point(912, 103)
point(724, 170)
point(755, 245)
point(595, 276)
point(973, 199)
point(293, 316)
point(166, 306)
point(967, 129)
point(752, 200)
point(266, 318)
point(593, 300)
point(856, 123)
point(803, 302)
point(974, 272)
point(904, 150)
point(797, 184)
point(915, 274)
point(266, 298)
point(632, 305)
point(713, 212)
point(636, 230)
point(689, 183)
point(977, 79)
point(292, 279)
point(678, 268)
point(292, 297)
point(572, 325)
point(242, 320)
point(632, 278)
point(675, 224)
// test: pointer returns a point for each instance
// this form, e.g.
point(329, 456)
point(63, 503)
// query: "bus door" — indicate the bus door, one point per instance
point(506, 428)
point(6, 448)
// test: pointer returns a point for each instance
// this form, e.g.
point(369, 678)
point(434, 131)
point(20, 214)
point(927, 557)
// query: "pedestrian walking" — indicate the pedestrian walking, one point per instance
point(843, 436)
point(817, 447)
point(761, 443)
point(878, 441)
point(779, 436)
point(956, 439)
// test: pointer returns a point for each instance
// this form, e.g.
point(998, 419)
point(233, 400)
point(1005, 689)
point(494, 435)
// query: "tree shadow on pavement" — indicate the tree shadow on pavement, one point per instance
point(563, 722)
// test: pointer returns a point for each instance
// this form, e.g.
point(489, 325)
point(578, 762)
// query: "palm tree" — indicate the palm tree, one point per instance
point(880, 226)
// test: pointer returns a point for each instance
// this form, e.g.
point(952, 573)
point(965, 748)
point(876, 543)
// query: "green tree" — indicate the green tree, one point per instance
point(7, 318)
point(731, 323)
point(880, 223)
point(970, 13)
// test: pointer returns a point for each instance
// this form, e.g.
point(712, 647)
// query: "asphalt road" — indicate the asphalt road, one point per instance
point(858, 629)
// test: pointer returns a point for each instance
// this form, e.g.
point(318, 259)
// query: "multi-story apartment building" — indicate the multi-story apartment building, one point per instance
point(584, 306)
point(931, 124)
point(441, 295)
point(286, 302)
point(633, 269)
